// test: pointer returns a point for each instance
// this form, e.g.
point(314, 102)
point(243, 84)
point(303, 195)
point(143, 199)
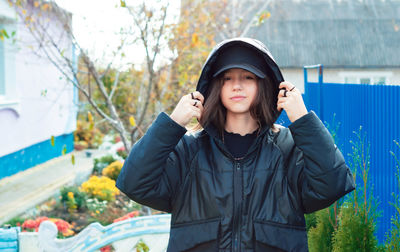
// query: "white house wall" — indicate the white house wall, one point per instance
point(296, 75)
point(45, 100)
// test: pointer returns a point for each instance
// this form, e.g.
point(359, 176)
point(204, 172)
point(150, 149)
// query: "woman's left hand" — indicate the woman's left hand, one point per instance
point(291, 101)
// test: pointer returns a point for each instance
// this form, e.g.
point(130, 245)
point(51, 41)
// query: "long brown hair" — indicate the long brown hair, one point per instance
point(263, 109)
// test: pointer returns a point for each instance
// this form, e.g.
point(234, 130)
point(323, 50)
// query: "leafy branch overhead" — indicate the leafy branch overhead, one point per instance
point(120, 96)
point(55, 41)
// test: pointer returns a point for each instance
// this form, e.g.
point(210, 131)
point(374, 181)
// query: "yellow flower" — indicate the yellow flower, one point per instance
point(112, 170)
point(70, 195)
point(102, 188)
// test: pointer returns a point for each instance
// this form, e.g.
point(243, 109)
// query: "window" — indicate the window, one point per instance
point(2, 79)
point(8, 94)
point(365, 81)
point(366, 77)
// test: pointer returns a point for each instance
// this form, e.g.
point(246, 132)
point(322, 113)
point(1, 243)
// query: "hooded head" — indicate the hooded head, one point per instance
point(248, 54)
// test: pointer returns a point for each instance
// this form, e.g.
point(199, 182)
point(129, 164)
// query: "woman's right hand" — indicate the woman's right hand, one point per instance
point(189, 106)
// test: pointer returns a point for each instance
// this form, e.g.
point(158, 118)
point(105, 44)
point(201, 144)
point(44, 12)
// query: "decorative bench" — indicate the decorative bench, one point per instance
point(9, 239)
point(123, 236)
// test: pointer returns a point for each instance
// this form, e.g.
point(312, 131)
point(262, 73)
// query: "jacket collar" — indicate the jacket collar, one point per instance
point(213, 132)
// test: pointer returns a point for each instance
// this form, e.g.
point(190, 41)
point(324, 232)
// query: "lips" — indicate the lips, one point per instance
point(238, 98)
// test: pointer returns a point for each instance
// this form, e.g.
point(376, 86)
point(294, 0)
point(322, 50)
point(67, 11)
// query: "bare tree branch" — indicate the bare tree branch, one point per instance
point(114, 85)
point(250, 23)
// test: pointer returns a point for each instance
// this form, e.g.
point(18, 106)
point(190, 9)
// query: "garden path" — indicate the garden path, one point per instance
point(26, 189)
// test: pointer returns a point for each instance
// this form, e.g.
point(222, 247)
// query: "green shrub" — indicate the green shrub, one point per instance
point(141, 246)
point(101, 163)
point(355, 231)
point(86, 132)
point(15, 222)
point(320, 236)
point(357, 217)
point(311, 221)
point(393, 236)
point(73, 198)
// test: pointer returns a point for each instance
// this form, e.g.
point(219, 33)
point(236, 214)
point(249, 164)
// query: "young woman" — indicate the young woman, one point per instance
point(242, 183)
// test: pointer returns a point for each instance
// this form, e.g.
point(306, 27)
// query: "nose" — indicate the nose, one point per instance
point(237, 84)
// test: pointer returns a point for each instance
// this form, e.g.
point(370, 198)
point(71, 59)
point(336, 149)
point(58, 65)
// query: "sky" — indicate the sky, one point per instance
point(97, 22)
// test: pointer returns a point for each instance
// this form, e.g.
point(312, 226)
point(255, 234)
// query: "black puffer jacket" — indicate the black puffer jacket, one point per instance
point(222, 204)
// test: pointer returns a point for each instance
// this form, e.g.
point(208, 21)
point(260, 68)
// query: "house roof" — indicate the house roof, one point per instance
point(335, 33)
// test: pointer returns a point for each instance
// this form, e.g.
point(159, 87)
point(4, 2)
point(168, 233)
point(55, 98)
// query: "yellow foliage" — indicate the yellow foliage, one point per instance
point(263, 16)
point(90, 117)
point(102, 188)
point(132, 121)
point(195, 38)
point(85, 131)
point(149, 14)
point(45, 7)
point(112, 170)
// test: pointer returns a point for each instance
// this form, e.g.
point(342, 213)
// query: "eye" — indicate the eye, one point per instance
point(226, 78)
point(249, 77)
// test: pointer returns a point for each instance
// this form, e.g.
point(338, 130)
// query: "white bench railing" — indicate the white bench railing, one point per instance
point(123, 236)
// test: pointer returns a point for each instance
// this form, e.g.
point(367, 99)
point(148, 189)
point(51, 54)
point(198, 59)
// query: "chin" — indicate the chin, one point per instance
point(239, 110)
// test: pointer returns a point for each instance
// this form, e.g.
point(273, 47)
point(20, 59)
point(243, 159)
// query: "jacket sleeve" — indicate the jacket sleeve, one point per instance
point(324, 176)
point(152, 171)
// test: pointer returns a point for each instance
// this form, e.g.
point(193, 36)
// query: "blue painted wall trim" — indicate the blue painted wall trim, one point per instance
point(34, 155)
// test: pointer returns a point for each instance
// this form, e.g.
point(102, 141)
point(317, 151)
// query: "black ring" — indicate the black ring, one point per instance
point(284, 93)
point(195, 102)
point(192, 96)
point(292, 88)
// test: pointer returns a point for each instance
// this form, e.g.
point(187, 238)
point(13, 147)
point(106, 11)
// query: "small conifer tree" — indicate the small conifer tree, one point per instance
point(393, 236)
point(357, 217)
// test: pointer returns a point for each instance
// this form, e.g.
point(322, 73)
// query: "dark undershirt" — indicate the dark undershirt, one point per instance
point(238, 145)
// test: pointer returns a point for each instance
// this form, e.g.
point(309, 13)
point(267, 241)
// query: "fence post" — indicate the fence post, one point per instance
point(320, 82)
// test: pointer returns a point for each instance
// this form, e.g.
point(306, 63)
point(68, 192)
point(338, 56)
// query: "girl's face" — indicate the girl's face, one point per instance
point(238, 91)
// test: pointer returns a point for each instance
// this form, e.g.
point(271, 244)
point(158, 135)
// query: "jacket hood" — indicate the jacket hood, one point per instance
point(273, 70)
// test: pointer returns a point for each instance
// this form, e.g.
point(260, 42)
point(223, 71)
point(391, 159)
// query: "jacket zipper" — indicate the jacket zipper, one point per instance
point(237, 213)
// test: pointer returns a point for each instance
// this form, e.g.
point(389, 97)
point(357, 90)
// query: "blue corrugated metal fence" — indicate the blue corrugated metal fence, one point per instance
point(377, 109)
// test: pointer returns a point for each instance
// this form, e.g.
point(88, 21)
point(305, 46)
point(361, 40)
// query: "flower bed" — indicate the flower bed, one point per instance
point(95, 200)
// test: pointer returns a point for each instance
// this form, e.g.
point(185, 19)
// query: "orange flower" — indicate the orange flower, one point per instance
point(106, 248)
point(133, 214)
point(29, 224)
point(62, 225)
point(41, 219)
point(127, 216)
